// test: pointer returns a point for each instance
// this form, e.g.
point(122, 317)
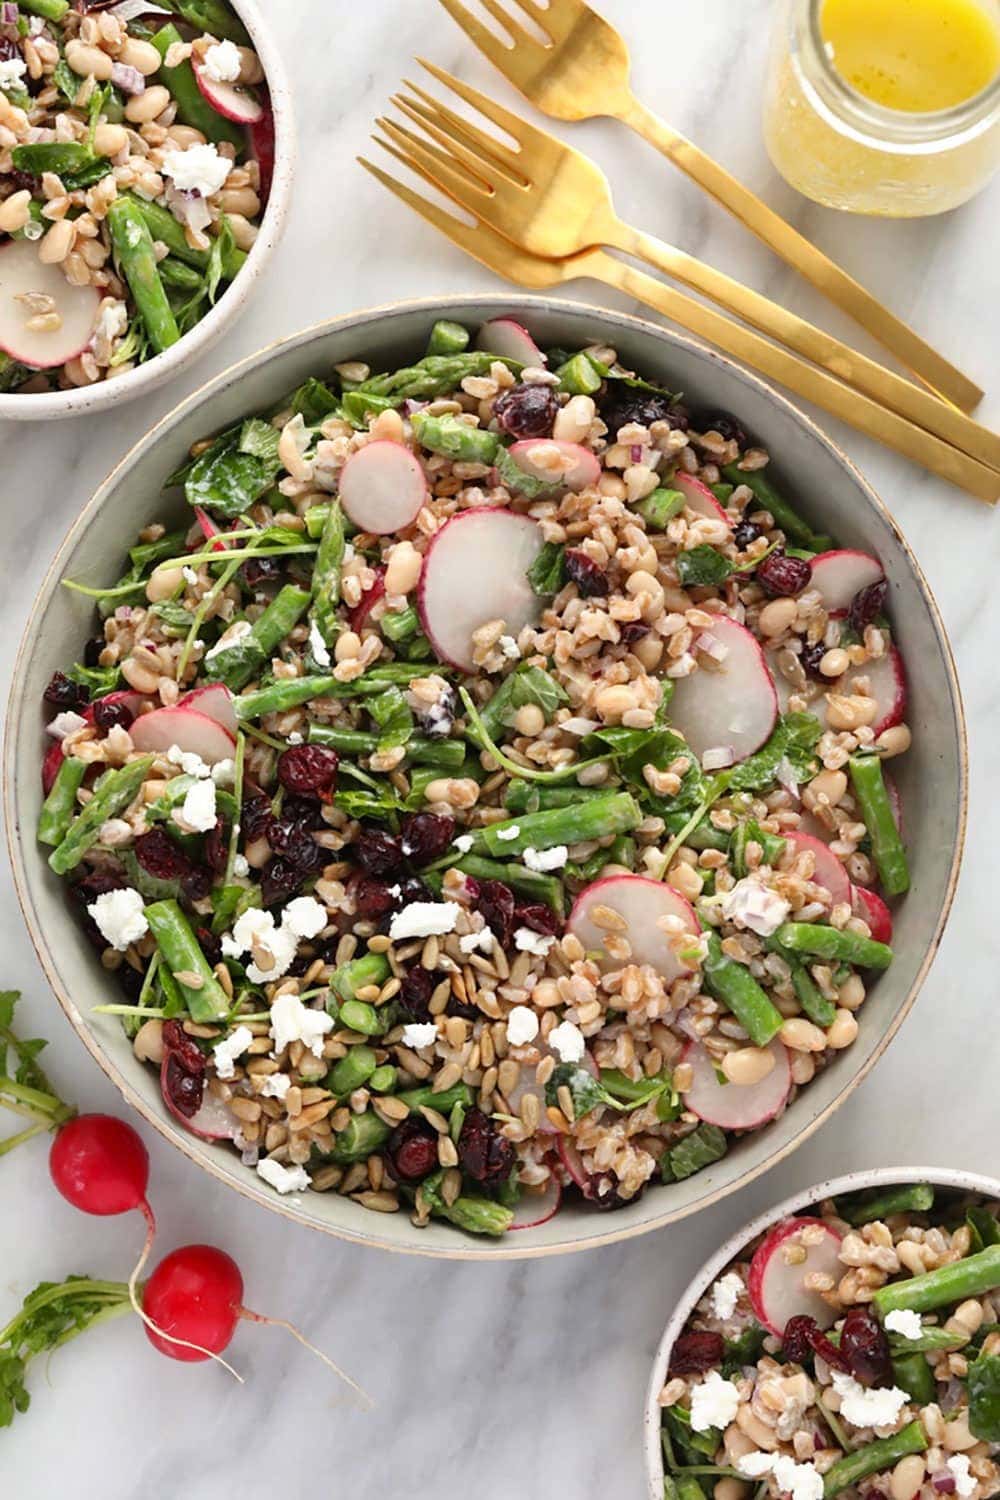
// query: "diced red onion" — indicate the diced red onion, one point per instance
point(410, 405)
point(635, 453)
point(128, 79)
point(712, 646)
point(123, 612)
point(943, 1483)
point(9, 13)
point(190, 208)
point(718, 759)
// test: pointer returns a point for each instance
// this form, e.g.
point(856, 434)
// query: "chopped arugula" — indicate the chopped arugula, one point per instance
point(239, 466)
point(394, 717)
point(614, 1090)
point(745, 1350)
point(547, 573)
point(794, 740)
point(984, 1398)
point(99, 681)
point(313, 401)
point(703, 1146)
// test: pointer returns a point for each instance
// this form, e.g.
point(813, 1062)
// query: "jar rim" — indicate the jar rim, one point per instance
point(882, 125)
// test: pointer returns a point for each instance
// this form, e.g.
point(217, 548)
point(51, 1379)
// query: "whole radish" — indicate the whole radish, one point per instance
point(101, 1166)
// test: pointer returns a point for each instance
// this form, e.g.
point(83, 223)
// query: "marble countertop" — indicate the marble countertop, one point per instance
point(528, 1377)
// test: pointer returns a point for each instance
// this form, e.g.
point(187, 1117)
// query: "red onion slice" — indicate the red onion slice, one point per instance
point(128, 79)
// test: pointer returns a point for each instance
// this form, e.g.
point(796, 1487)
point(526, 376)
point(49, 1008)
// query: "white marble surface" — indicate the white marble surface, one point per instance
point(522, 1378)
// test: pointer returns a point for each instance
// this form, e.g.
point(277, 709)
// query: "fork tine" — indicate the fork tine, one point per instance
point(476, 163)
point(487, 41)
point(455, 132)
point(436, 164)
point(511, 25)
point(518, 129)
point(460, 234)
point(555, 19)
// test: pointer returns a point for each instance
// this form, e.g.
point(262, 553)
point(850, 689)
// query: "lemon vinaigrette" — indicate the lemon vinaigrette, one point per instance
point(887, 107)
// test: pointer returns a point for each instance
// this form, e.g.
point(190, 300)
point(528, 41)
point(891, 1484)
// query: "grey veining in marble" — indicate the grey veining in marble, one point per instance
point(517, 1379)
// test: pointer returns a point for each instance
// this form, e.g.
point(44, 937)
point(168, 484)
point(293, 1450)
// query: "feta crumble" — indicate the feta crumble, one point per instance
point(12, 70)
point(189, 761)
point(224, 773)
point(420, 1034)
point(509, 648)
point(291, 1021)
point(281, 942)
point(542, 860)
point(908, 1324)
point(482, 940)
point(526, 940)
point(318, 647)
point(965, 1484)
point(120, 917)
point(752, 904)
point(522, 1026)
point(241, 866)
point(800, 1481)
point(867, 1408)
point(229, 1049)
point(231, 637)
point(305, 916)
point(199, 169)
point(276, 1086)
point(198, 810)
point(222, 61)
point(423, 919)
point(725, 1294)
point(714, 1403)
point(283, 1179)
point(505, 835)
point(463, 843)
point(567, 1040)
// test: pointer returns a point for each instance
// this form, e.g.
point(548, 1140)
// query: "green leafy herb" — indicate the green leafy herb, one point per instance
point(99, 681)
point(24, 1087)
point(51, 1315)
point(984, 1398)
point(175, 619)
point(690, 1447)
point(585, 1091)
point(703, 1146)
point(239, 466)
point(394, 717)
point(984, 1228)
point(547, 573)
point(614, 1090)
point(702, 567)
point(534, 685)
point(313, 401)
point(746, 1350)
point(794, 741)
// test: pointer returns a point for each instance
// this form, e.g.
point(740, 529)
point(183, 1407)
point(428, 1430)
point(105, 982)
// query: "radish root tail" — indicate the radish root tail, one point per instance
point(367, 1404)
point(140, 1312)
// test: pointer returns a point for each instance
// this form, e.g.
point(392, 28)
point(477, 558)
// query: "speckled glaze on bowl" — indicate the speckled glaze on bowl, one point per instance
point(853, 1182)
point(812, 471)
point(88, 400)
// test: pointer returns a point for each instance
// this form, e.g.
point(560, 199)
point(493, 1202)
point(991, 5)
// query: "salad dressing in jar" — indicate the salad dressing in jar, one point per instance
point(888, 107)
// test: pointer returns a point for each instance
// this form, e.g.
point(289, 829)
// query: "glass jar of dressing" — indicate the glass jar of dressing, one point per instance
point(887, 107)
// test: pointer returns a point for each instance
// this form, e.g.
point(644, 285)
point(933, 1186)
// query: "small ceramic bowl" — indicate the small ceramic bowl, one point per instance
point(882, 1177)
point(932, 777)
point(90, 399)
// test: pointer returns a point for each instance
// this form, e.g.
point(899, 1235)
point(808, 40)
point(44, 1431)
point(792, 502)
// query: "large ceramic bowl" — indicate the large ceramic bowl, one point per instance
point(955, 1183)
point(808, 466)
point(146, 377)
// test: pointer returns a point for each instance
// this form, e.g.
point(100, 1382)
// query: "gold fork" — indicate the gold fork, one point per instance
point(582, 73)
point(515, 264)
point(555, 202)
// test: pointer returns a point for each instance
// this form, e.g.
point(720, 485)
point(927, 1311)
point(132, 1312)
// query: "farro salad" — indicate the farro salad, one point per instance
point(136, 149)
point(851, 1351)
point(480, 791)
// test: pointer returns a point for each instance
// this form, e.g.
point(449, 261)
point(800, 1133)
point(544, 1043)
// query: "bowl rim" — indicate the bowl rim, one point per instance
point(831, 1187)
point(91, 399)
point(491, 304)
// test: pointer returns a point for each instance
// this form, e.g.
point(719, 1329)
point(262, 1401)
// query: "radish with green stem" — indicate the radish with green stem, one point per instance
point(24, 1088)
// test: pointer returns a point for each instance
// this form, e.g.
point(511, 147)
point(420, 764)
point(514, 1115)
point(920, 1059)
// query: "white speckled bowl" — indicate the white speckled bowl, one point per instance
point(806, 464)
point(146, 377)
point(853, 1182)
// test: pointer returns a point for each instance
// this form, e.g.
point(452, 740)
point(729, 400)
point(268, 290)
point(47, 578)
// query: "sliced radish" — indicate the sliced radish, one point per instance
point(840, 575)
point(382, 488)
point(212, 1121)
point(54, 758)
point(21, 273)
point(186, 728)
point(228, 99)
point(698, 497)
point(572, 1161)
point(733, 1106)
point(476, 570)
point(887, 685)
point(534, 1209)
point(510, 340)
point(829, 872)
point(262, 148)
point(359, 614)
point(215, 702)
point(209, 530)
point(873, 910)
point(734, 705)
point(777, 1284)
point(641, 902)
point(568, 467)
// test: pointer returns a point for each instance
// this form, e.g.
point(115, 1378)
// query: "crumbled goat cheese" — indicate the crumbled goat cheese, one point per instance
point(198, 810)
point(189, 761)
point(12, 70)
point(282, 945)
point(241, 866)
point(464, 843)
point(725, 1295)
point(229, 1049)
point(222, 61)
point(231, 637)
point(908, 1324)
point(64, 724)
point(714, 1403)
point(253, 923)
point(295, 738)
point(509, 648)
point(199, 169)
point(541, 860)
point(291, 1021)
point(800, 1481)
point(420, 1034)
point(867, 1408)
point(224, 773)
point(424, 919)
point(120, 917)
point(522, 1026)
point(567, 1040)
point(482, 940)
point(111, 324)
point(281, 942)
point(318, 647)
point(283, 1179)
point(305, 916)
point(189, 575)
point(506, 834)
point(751, 904)
point(526, 940)
point(276, 1086)
point(965, 1484)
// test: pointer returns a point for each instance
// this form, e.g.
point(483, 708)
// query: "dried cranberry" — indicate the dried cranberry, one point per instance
point(97, 883)
point(378, 852)
point(295, 824)
point(372, 898)
point(426, 836)
point(526, 411)
point(20, 182)
point(725, 425)
point(416, 988)
point(211, 946)
point(184, 1070)
point(258, 571)
point(176, 1039)
point(811, 658)
point(412, 889)
point(496, 906)
point(867, 605)
point(92, 651)
point(795, 1345)
point(782, 576)
point(196, 883)
point(62, 693)
point(865, 1346)
point(745, 533)
point(160, 856)
point(279, 881)
point(483, 1153)
point(822, 1346)
point(412, 1150)
point(634, 631)
point(305, 769)
point(538, 918)
point(256, 816)
point(591, 580)
point(217, 848)
point(130, 980)
point(694, 1353)
point(110, 715)
point(622, 407)
point(604, 1193)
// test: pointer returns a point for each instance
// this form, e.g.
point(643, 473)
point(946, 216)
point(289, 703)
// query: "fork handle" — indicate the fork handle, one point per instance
point(850, 366)
point(834, 282)
point(859, 411)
